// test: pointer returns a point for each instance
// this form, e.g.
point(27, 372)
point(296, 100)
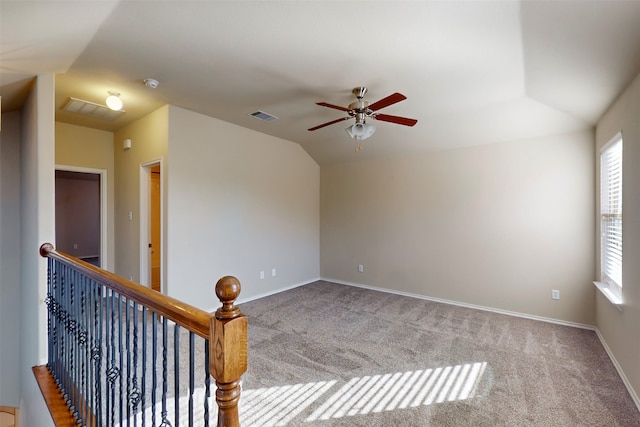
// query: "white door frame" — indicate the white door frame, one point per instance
point(145, 232)
point(103, 206)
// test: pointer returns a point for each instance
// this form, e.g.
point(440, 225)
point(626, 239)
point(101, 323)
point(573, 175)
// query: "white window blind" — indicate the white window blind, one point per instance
point(611, 214)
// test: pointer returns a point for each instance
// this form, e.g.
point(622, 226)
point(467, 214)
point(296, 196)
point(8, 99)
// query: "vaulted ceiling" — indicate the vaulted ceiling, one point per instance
point(473, 72)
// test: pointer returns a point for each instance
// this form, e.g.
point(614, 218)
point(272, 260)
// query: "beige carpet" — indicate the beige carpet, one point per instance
point(331, 355)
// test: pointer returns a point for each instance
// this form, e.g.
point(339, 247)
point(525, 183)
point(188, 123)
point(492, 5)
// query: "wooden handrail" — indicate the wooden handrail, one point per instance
point(188, 316)
point(226, 330)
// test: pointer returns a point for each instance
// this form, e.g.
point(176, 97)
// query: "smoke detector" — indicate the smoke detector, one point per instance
point(151, 83)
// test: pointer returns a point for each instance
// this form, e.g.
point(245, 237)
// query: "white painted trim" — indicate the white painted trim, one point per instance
point(242, 300)
point(626, 382)
point(610, 293)
point(462, 304)
point(145, 171)
point(104, 244)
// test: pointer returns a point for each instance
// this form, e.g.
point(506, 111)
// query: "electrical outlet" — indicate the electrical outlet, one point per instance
point(361, 268)
point(555, 294)
point(273, 272)
point(262, 274)
point(75, 246)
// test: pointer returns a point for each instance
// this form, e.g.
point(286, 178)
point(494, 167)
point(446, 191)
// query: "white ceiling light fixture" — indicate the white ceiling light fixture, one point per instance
point(114, 102)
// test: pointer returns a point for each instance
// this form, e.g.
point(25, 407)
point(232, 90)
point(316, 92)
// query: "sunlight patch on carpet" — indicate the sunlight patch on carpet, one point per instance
point(279, 405)
point(371, 394)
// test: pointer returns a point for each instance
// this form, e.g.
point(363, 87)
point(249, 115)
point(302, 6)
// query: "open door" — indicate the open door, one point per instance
point(151, 225)
point(154, 222)
point(80, 195)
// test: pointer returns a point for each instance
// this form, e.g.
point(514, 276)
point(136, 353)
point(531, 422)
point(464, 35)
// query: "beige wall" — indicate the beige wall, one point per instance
point(149, 137)
point(496, 226)
point(37, 227)
point(240, 202)
point(82, 147)
point(10, 260)
point(621, 329)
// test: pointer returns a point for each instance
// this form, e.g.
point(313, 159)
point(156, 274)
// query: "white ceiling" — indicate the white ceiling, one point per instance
point(474, 72)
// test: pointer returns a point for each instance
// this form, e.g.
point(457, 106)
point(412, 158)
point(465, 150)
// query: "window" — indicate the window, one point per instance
point(611, 215)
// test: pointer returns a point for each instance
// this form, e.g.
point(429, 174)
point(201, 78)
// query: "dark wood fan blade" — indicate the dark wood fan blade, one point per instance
point(337, 107)
point(385, 102)
point(395, 119)
point(330, 123)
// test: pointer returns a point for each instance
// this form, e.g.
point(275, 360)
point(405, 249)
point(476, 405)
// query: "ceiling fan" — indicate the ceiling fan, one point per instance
point(362, 110)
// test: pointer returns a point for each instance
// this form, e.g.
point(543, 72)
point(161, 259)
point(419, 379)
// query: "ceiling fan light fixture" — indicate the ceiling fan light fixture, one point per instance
point(114, 102)
point(360, 131)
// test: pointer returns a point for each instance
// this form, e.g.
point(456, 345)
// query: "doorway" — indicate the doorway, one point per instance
point(80, 217)
point(151, 225)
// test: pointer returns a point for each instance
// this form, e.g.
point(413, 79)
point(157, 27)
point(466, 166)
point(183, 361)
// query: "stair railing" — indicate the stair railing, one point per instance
point(122, 354)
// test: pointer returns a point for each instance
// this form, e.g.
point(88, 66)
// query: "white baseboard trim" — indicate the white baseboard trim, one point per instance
point(626, 382)
point(462, 304)
point(242, 300)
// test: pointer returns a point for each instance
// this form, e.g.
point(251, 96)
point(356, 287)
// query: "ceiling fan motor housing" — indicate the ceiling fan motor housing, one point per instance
point(359, 92)
point(359, 115)
point(359, 108)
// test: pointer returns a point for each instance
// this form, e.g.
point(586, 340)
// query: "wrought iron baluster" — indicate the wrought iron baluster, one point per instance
point(57, 333)
point(69, 377)
point(127, 337)
point(176, 373)
point(154, 360)
point(60, 353)
point(82, 349)
point(207, 383)
point(97, 351)
point(48, 302)
point(62, 328)
point(134, 397)
point(121, 356)
point(107, 343)
point(60, 304)
point(72, 329)
point(113, 372)
point(191, 376)
point(144, 364)
point(165, 345)
point(91, 333)
point(51, 331)
point(79, 387)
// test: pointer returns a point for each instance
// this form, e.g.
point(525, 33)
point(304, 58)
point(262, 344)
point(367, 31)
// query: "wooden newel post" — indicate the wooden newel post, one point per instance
point(228, 351)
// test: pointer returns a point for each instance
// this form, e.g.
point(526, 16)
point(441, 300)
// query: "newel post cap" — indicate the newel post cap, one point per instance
point(227, 291)
point(45, 249)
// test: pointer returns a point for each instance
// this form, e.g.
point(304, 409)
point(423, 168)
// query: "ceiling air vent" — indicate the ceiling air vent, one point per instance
point(263, 116)
point(92, 109)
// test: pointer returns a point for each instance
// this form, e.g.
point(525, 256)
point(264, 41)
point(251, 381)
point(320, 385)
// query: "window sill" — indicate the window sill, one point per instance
point(613, 297)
